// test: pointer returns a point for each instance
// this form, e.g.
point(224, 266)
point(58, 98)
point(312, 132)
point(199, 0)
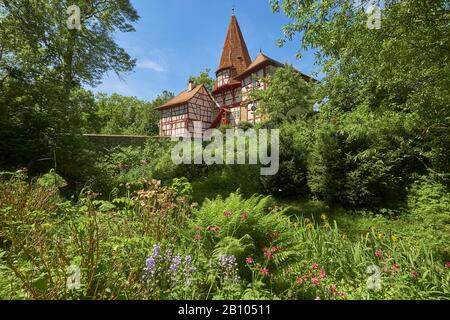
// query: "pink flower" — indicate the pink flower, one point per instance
point(341, 294)
point(299, 280)
point(378, 253)
point(208, 228)
point(264, 272)
point(315, 281)
point(228, 214)
point(198, 237)
point(216, 229)
point(244, 216)
point(269, 256)
point(197, 228)
point(305, 278)
point(275, 249)
point(333, 288)
point(314, 266)
point(447, 265)
point(249, 260)
point(414, 274)
point(395, 267)
point(323, 275)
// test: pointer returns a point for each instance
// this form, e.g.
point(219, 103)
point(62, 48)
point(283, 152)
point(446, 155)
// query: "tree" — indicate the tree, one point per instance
point(43, 65)
point(287, 96)
point(401, 67)
point(129, 115)
point(204, 78)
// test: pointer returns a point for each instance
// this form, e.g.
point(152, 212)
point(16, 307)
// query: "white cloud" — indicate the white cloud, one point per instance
point(151, 65)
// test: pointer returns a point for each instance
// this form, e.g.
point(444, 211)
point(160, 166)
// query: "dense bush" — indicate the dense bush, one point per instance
point(291, 179)
point(361, 159)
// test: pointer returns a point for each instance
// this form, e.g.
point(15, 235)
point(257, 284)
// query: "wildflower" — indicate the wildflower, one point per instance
point(228, 262)
point(315, 266)
point(150, 264)
point(216, 229)
point(198, 237)
point(176, 261)
point(244, 216)
point(333, 288)
point(341, 293)
point(323, 275)
point(156, 249)
point(305, 278)
point(414, 274)
point(315, 281)
point(188, 268)
point(228, 214)
point(208, 228)
point(395, 267)
point(299, 280)
point(394, 238)
point(197, 228)
point(378, 253)
point(381, 236)
point(275, 249)
point(265, 272)
point(323, 217)
point(249, 260)
point(447, 265)
point(269, 256)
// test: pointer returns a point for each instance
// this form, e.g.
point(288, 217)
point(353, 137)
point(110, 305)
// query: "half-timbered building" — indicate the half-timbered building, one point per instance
point(188, 113)
point(230, 101)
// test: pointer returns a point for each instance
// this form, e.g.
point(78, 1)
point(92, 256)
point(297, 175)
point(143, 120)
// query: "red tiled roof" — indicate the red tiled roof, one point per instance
point(260, 61)
point(235, 53)
point(182, 98)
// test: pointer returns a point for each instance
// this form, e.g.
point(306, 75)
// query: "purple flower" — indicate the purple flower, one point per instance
point(228, 262)
point(176, 261)
point(156, 250)
point(150, 264)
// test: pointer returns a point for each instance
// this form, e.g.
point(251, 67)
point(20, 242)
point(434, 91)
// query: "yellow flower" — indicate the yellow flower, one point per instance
point(381, 236)
point(310, 226)
point(394, 238)
point(324, 216)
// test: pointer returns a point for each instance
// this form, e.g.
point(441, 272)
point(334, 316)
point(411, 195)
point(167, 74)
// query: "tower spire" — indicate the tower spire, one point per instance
point(235, 53)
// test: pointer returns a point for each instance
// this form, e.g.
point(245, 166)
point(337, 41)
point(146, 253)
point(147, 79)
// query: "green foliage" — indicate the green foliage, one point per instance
point(204, 78)
point(291, 179)
point(128, 115)
point(399, 70)
point(288, 95)
point(361, 159)
point(227, 249)
point(51, 180)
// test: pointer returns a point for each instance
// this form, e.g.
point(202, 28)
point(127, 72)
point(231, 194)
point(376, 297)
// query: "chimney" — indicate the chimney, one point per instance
point(191, 85)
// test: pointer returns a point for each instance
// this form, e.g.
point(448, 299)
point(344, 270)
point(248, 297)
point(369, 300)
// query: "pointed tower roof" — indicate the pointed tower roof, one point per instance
point(235, 53)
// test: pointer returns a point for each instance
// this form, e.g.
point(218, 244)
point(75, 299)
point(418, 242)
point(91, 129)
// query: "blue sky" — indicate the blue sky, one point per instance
point(178, 38)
